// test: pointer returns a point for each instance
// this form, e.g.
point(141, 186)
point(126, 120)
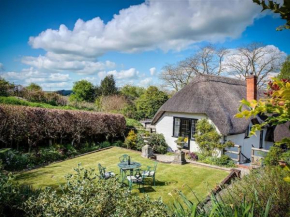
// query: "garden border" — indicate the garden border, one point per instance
point(211, 166)
point(59, 161)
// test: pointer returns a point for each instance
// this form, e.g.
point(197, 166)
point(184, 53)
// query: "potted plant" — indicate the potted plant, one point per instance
point(180, 142)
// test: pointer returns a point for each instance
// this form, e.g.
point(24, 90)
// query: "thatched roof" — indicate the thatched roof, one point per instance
point(282, 131)
point(216, 96)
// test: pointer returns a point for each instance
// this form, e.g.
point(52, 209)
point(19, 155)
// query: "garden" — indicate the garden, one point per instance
point(168, 176)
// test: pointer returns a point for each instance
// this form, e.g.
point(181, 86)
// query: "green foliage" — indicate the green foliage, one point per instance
point(131, 140)
point(183, 207)
point(13, 195)
point(276, 106)
point(285, 70)
point(273, 156)
point(132, 92)
point(33, 87)
point(223, 161)
point(132, 123)
point(208, 139)
point(149, 102)
point(108, 86)
point(5, 87)
point(85, 195)
point(283, 10)
point(158, 143)
point(258, 187)
point(83, 90)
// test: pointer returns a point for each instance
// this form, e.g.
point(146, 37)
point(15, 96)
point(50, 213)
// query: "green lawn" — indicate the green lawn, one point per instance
point(168, 176)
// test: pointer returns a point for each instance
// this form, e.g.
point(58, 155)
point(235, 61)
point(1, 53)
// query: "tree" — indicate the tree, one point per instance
point(207, 60)
point(33, 87)
point(283, 10)
point(83, 90)
point(5, 87)
point(149, 102)
point(255, 59)
point(285, 70)
point(108, 86)
point(132, 92)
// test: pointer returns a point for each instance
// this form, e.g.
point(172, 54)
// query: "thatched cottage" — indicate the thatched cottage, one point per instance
point(218, 99)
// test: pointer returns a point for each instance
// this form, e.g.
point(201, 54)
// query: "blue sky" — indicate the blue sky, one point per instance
point(55, 43)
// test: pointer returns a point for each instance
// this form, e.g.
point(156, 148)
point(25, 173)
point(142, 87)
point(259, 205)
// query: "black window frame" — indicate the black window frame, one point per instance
point(190, 126)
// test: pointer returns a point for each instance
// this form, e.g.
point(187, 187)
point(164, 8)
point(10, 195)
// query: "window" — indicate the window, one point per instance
point(247, 134)
point(184, 127)
point(176, 127)
point(193, 127)
point(261, 138)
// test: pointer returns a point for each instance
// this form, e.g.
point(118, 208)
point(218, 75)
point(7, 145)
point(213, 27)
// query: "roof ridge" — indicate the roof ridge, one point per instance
point(217, 78)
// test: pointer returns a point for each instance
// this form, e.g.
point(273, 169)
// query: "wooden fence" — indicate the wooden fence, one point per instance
point(238, 153)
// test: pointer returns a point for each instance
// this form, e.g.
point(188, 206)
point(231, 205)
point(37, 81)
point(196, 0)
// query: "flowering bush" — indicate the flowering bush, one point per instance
point(192, 156)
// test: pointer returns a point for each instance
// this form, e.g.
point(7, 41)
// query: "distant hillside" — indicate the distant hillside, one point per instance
point(64, 92)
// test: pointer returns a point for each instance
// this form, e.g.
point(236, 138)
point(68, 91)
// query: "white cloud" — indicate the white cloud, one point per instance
point(1, 67)
point(52, 62)
point(145, 82)
point(124, 74)
point(166, 25)
point(30, 75)
point(152, 71)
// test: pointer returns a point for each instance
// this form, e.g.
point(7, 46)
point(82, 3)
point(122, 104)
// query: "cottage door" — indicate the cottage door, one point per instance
point(185, 131)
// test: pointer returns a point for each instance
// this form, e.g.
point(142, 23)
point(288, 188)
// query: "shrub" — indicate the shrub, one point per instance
point(131, 140)
point(105, 144)
point(31, 126)
point(118, 143)
point(192, 156)
point(273, 156)
point(158, 143)
point(217, 207)
point(13, 195)
point(262, 183)
point(113, 103)
point(286, 157)
point(208, 139)
point(85, 195)
point(5, 87)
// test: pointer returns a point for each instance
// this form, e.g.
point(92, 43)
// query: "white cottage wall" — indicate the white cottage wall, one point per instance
point(165, 126)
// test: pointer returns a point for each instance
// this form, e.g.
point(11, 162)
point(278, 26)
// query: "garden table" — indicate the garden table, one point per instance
point(124, 166)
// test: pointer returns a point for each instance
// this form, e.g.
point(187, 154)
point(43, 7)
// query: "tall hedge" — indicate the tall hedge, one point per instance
point(31, 127)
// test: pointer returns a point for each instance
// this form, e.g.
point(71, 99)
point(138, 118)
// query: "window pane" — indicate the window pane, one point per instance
point(176, 127)
point(193, 123)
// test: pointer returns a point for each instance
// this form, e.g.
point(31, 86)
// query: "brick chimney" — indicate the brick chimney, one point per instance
point(251, 87)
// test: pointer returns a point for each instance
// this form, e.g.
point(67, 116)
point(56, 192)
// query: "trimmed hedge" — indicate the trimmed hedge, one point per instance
point(31, 127)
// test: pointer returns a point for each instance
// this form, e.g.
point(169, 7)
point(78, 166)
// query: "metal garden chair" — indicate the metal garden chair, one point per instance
point(150, 172)
point(124, 158)
point(137, 178)
point(104, 174)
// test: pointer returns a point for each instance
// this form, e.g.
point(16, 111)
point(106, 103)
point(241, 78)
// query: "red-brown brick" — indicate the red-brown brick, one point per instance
point(251, 87)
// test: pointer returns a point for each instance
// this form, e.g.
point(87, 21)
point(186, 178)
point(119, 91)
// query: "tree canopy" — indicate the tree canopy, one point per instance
point(34, 87)
point(132, 92)
point(149, 102)
point(285, 70)
point(108, 86)
point(5, 86)
point(83, 90)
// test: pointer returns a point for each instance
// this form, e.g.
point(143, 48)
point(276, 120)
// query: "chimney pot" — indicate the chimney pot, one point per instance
point(251, 87)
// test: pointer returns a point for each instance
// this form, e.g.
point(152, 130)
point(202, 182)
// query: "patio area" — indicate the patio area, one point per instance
point(168, 176)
